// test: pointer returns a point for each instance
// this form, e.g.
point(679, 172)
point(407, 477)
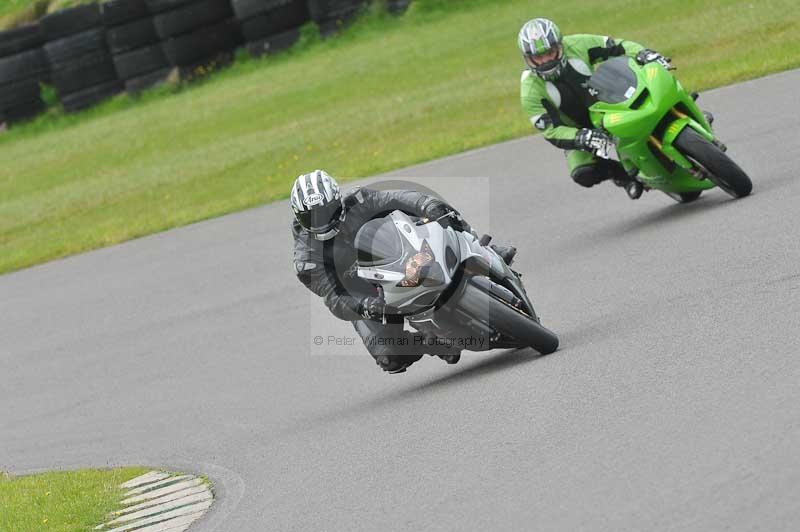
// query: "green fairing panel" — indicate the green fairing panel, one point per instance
point(633, 125)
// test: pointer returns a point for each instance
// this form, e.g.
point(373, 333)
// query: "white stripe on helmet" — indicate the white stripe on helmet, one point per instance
point(314, 178)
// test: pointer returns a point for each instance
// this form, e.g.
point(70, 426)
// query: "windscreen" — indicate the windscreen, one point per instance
point(614, 81)
point(378, 243)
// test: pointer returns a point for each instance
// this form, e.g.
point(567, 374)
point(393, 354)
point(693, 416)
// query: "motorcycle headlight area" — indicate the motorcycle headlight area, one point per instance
point(414, 267)
point(422, 268)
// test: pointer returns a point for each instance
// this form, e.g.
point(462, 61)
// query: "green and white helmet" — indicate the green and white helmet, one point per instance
point(540, 44)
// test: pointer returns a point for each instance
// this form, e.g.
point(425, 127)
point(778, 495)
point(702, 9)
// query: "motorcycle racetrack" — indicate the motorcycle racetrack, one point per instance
point(672, 403)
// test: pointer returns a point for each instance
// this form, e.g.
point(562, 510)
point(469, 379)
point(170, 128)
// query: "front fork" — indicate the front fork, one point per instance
point(697, 122)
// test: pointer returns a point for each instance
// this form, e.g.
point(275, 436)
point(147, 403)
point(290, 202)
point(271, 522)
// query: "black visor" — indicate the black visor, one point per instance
point(322, 218)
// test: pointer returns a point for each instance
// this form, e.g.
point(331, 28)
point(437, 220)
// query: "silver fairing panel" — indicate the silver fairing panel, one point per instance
point(460, 245)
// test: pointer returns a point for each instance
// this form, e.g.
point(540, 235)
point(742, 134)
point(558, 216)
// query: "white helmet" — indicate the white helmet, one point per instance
point(317, 204)
point(541, 45)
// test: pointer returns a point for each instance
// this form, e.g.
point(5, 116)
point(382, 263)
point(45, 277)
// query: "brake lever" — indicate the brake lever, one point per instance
point(423, 221)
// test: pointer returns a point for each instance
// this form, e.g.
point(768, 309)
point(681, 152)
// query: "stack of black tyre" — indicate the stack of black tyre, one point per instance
point(194, 32)
point(82, 70)
point(332, 15)
point(23, 66)
point(397, 7)
point(134, 44)
point(270, 25)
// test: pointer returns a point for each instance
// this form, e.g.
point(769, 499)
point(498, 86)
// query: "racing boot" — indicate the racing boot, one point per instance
point(507, 253)
point(626, 179)
point(452, 358)
point(451, 355)
point(394, 364)
point(634, 190)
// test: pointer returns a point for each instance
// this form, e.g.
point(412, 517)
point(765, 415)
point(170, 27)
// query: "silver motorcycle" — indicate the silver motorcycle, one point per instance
point(448, 285)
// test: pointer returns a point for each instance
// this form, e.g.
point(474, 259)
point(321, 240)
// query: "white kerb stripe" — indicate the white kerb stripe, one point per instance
point(159, 484)
point(169, 497)
point(147, 478)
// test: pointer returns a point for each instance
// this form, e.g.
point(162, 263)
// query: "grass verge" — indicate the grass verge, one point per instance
point(69, 501)
point(15, 13)
point(387, 93)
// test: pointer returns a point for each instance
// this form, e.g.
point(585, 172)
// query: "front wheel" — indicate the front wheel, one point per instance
point(725, 173)
point(508, 320)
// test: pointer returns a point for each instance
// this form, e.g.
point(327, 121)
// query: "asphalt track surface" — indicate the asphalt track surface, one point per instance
point(672, 404)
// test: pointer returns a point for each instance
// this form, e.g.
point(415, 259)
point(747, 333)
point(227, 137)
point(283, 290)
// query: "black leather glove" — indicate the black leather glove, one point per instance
point(592, 139)
point(650, 56)
point(435, 209)
point(373, 308)
point(458, 223)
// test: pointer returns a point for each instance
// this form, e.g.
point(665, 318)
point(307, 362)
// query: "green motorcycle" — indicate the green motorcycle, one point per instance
point(661, 136)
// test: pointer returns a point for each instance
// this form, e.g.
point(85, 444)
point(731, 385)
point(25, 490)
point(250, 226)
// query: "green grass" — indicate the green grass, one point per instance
point(15, 13)
point(61, 501)
point(388, 93)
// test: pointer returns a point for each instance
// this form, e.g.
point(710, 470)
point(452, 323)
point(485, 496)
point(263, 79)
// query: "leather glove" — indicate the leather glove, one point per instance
point(458, 223)
point(592, 139)
point(649, 56)
point(373, 308)
point(435, 209)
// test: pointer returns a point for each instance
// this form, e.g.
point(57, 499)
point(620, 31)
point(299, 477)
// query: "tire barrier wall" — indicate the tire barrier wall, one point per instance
point(134, 44)
point(269, 26)
point(23, 66)
point(94, 51)
point(83, 72)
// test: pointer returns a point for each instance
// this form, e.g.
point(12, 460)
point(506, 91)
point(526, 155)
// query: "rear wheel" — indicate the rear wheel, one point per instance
point(508, 320)
point(725, 173)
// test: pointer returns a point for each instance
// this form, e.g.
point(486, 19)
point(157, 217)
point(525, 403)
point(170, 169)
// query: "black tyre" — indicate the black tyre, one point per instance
point(190, 17)
point(325, 10)
point(18, 92)
point(278, 20)
point(397, 7)
point(117, 12)
point(725, 173)
point(507, 320)
point(146, 81)
point(67, 48)
point(138, 62)
point(194, 47)
point(85, 98)
point(335, 25)
point(684, 197)
point(245, 9)
point(25, 65)
point(23, 110)
point(130, 36)
point(69, 21)
point(273, 44)
point(91, 69)
point(20, 39)
point(158, 6)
